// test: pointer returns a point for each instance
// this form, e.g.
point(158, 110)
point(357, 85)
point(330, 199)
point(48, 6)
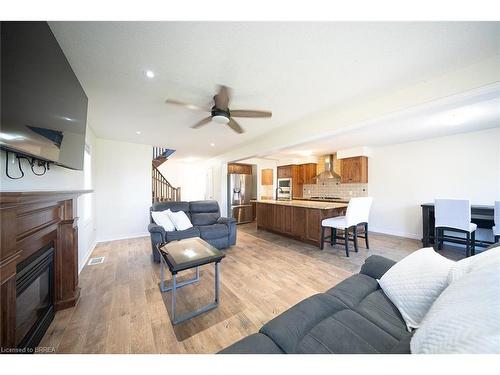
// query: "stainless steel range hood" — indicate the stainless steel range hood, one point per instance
point(329, 172)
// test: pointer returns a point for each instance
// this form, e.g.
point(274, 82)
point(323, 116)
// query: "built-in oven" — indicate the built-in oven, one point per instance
point(284, 189)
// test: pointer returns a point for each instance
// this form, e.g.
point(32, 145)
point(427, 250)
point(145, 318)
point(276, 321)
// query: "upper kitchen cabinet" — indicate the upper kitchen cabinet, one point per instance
point(234, 168)
point(307, 173)
point(354, 170)
point(266, 177)
point(285, 171)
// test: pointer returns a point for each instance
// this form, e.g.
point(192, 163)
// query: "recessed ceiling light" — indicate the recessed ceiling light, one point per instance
point(212, 144)
point(150, 74)
point(138, 132)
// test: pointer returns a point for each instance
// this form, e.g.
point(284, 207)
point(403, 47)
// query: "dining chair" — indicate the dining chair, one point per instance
point(357, 214)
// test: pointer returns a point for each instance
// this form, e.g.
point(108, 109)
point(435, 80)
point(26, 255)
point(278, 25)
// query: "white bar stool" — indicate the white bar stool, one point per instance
point(357, 213)
point(454, 215)
point(496, 228)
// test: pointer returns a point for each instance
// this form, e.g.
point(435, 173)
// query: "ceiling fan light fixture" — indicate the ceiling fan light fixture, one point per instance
point(220, 119)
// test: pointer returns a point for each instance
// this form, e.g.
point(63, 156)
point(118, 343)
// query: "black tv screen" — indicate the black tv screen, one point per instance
point(43, 106)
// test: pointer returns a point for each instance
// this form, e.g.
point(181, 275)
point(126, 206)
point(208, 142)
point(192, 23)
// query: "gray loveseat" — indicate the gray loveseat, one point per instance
point(355, 316)
point(218, 231)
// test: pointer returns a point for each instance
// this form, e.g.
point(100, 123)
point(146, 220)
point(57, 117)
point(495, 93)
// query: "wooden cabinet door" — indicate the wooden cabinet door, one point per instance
point(354, 170)
point(309, 172)
point(285, 171)
point(262, 215)
point(266, 177)
point(287, 225)
point(235, 168)
point(299, 222)
point(313, 226)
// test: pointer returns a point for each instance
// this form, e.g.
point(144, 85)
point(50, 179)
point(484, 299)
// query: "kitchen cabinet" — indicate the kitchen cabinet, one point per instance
point(285, 171)
point(354, 170)
point(301, 223)
point(308, 173)
point(235, 168)
point(266, 177)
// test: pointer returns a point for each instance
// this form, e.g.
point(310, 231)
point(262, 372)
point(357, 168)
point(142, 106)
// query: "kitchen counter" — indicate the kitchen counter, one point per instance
point(299, 219)
point(321, 205)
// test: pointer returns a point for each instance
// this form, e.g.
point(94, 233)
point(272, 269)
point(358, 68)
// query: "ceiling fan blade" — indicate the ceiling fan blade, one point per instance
point(187, 105)
point(250, 113)
point(200, 123)
point(222, 98)
point(235, 126)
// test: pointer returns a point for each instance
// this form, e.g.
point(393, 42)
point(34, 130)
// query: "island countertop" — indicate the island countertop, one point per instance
point(303, 203)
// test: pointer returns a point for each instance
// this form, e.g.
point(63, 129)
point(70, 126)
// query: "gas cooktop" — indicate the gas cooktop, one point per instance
point(325, 198)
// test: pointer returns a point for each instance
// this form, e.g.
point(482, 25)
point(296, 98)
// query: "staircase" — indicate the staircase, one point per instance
point(162, 190)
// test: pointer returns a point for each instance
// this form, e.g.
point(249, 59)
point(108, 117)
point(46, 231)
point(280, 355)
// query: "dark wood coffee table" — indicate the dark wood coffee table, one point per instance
point(184, 255)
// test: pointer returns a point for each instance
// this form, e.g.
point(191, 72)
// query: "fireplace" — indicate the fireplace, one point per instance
point(34, 297)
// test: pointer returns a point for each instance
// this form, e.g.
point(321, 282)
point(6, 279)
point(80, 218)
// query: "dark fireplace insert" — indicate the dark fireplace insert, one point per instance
point(34, 297)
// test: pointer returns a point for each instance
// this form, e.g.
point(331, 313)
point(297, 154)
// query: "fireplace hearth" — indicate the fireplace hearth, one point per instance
point(34, 297)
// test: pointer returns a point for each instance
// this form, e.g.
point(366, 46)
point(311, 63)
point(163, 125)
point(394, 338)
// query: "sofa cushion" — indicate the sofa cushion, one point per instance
point(209, 232)
point(204, 212)
point(378, 309)
point(289, 328)
point(182, 234)
point(352, 290)
point(173, 206)
point(253, 344)
point(346, 332)
point(465, 317)
point(414, 283)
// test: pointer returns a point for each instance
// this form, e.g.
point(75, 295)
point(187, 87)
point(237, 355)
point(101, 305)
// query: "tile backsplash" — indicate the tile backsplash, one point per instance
point(333, 188)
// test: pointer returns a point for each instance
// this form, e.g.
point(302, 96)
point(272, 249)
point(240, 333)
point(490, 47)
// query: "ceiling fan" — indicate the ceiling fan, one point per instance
point(220, 111)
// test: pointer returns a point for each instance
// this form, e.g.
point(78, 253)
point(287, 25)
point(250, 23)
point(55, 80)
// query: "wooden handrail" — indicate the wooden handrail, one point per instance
point(162, 189)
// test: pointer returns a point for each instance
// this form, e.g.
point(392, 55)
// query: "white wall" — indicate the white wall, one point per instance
point(189, 176)
point(59, 178)
point(123, 189)
point(263, 164)
point(401, 177)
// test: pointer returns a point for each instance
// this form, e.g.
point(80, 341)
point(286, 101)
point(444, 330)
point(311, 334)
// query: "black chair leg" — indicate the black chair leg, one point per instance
point(366, 236)
point(441, 239)
point(334, 234)
point(436, 239)
point(322, 240)
point(355, 235)
point(346, 240)
point(473, 239)
point(467, 245)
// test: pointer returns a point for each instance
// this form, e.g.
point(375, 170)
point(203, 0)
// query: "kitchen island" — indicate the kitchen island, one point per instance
point(300, 219)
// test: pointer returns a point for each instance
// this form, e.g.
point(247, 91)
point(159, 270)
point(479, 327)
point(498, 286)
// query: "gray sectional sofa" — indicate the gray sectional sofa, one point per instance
point(218, 231)
point(355, 316)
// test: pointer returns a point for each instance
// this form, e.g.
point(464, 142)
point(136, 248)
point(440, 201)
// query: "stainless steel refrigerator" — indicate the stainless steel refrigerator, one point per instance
point(240, 191)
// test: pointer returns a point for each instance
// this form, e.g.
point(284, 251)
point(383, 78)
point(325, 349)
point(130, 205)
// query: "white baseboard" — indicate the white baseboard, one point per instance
point(87, 256)
point(413, 236)
point(122, 237)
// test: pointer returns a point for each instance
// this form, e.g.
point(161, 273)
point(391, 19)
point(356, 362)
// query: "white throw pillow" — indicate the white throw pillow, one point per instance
point(161, 218)
point(466, 316)
point(464, 266)
point(180, 220)
point(414, 283)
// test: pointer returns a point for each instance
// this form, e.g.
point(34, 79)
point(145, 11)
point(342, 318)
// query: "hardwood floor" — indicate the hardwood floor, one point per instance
point(121, 309)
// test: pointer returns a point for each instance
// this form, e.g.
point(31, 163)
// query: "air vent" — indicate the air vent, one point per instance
point(94, 261)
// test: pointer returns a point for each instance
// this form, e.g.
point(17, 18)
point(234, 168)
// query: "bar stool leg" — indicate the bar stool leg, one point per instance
point(467, 245)
point(346, 240)
point(436, 239)
point(334, 231)
point(322, 240)
point(366, 236)
point(473, 251)
point(355, 235)
point(331, 235)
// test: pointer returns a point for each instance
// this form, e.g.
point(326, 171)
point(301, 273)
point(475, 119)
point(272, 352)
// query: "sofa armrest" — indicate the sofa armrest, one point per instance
point(375, 266)
point(155, 228)
point(226, 220)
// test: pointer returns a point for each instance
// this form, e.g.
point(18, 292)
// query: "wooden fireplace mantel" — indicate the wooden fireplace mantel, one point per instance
point(28, 222)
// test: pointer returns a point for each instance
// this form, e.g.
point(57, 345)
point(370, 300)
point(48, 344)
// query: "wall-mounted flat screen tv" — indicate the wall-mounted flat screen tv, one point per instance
point(43, 106)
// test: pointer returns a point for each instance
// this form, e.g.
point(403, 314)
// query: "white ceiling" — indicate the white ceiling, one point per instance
point(292, 69)
point(461, 114)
